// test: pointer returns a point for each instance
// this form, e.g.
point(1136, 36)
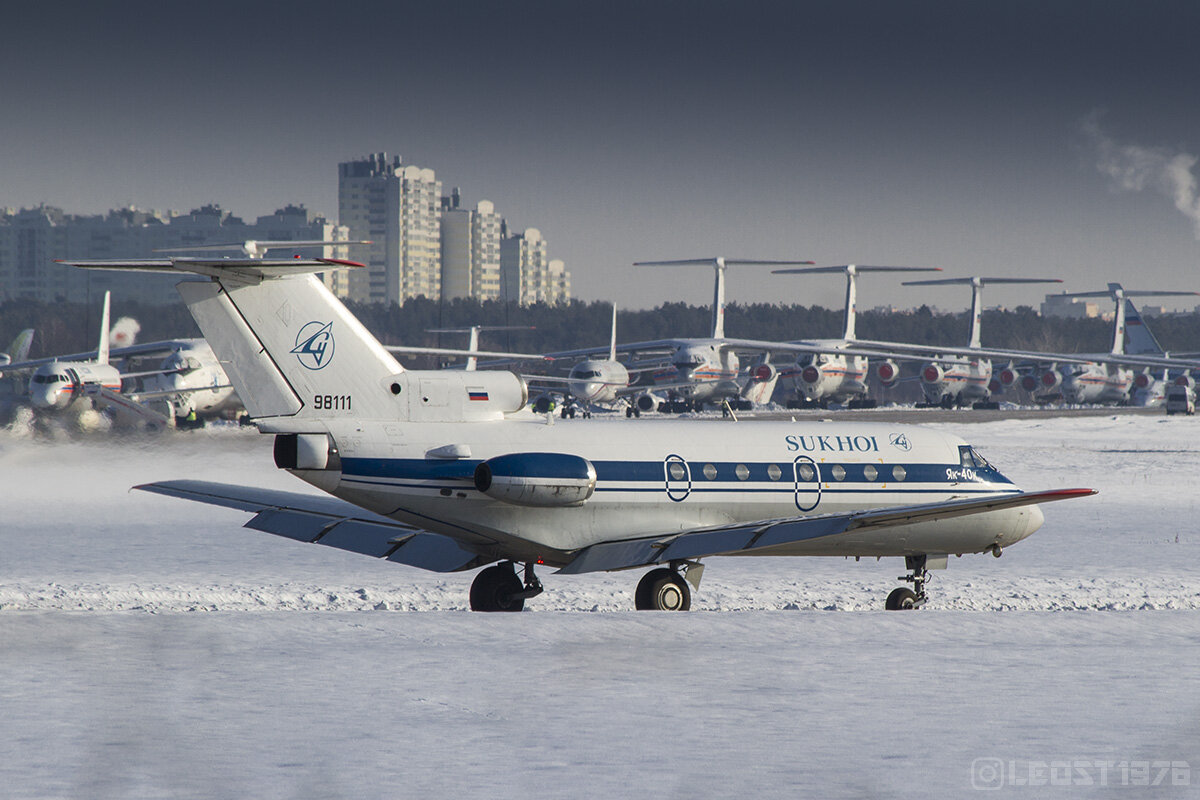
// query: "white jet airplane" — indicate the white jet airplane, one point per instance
point(698, 371)
point(836, 376)
point(188, 381)
point(448, 470)
point(1100, 382)
point(950, 380)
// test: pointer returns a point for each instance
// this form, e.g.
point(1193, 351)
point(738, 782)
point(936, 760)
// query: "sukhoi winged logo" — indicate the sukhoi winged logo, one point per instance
point(314, 345)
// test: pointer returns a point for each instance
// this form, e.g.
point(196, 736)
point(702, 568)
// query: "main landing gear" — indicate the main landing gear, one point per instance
point(498, 588)
point(903, 598)
point(666, 589)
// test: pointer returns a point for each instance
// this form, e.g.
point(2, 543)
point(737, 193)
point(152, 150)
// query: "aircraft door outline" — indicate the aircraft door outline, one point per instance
point(807, 482)
point(678, 478)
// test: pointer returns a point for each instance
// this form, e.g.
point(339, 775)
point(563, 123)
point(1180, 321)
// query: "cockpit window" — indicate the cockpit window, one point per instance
point(967, 457)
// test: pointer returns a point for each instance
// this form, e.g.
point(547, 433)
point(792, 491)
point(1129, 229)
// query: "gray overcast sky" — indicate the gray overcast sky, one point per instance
point(1010, 138)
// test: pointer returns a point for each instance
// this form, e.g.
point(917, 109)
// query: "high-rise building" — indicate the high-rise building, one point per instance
point(485, 252)
point(527, 274)
point(396, 207)
point(470, 249)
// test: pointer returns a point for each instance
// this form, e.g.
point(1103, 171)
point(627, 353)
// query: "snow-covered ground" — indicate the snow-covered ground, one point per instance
point(1068, 664)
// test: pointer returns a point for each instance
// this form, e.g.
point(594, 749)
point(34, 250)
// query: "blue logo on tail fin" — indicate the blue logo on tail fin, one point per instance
point(314, 345)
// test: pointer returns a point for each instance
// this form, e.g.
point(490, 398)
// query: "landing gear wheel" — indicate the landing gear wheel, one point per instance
point(497, 589)
point(662, 590)
point(901, 599)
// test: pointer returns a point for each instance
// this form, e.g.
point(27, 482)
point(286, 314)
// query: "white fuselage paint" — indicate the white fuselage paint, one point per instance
point(598, 382)
point(963, 379)
point(832, 376)
point(58, 385)
point(666, 476)
point(196, 378)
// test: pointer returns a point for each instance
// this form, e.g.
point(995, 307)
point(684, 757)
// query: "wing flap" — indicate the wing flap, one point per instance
point(328, 521)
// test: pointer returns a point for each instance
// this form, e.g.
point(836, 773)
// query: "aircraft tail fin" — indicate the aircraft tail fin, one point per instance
point(292, 349)
point(19, 349)
point(1139, 340)
point(612, 342)
point(102, 349)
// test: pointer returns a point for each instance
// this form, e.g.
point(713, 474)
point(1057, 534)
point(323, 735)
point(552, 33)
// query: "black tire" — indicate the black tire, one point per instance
point(662, 590)
point(493, 590)
point(901, 599)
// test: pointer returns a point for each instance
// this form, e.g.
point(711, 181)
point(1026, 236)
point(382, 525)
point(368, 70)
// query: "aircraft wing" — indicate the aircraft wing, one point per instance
point(1029, 355)
point(129, 408)
point(328, 521)
point(741, 538)
point(145, 350)
point(448, 351)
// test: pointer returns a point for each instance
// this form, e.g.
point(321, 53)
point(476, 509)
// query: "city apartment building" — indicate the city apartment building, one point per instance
point(32, 239)
point(527, 274)
point(398, 208)
point(470, 249)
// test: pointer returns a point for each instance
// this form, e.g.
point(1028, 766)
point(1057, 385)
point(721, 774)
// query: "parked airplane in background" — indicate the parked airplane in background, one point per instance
point(447, 470)
point(189, 378)
point(1100, 382)
point(691, 372)
point(833, 376)
point(472, 353)
point(950, 380)
point(187, 384)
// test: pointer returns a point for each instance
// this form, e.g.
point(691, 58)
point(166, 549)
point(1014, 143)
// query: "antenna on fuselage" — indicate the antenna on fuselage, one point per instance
point(718, 263)
point(851, 271)
point(1118, 293)
point(977, 283)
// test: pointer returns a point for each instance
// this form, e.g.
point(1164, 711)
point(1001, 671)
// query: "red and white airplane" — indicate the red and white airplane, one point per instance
point(834, 375)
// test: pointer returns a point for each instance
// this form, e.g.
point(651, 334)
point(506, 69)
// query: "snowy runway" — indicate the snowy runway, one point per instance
point(317, 673)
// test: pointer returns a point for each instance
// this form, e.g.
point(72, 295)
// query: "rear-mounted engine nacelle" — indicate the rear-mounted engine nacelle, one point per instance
point(537, 479)
point(887, 372)
point(811, 375)
point(1185, 380)
point(932, 374)
point(1051, 379)
point(1008, 376)
point(306, 451)
point(1142, 380)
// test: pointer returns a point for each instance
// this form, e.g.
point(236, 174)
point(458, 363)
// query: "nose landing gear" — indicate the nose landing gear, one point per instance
point(903, 598)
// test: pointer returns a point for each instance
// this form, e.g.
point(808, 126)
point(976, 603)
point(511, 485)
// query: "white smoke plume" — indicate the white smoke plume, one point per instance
point(123, 332)
point(1134, 168)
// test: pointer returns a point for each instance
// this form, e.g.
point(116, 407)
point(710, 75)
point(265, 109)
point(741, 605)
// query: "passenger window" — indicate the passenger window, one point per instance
point(710, 472)
point(838, 472)
point(774, 472)
point(899, 473)
point(742, 472)
point(869, 472)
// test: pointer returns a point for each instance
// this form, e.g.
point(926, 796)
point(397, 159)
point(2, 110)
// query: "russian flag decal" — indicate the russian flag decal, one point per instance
point(477, 394)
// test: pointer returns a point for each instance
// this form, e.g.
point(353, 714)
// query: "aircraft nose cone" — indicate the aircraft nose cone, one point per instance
point(1031, 518)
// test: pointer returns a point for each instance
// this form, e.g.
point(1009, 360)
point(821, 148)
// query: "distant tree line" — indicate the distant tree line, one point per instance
point(68, 328)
